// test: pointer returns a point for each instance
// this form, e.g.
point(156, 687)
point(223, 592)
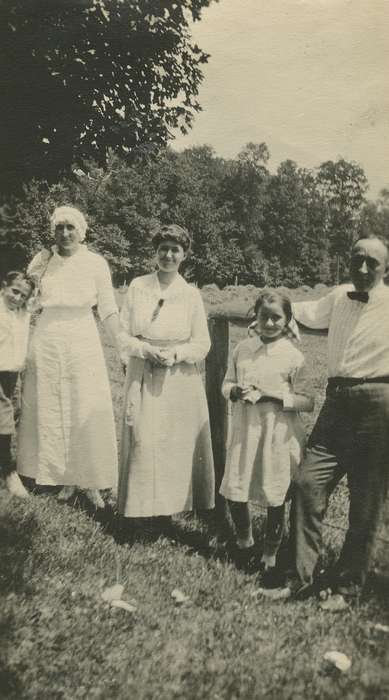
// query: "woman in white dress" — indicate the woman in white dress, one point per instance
point(67, 432)
point(166, 463)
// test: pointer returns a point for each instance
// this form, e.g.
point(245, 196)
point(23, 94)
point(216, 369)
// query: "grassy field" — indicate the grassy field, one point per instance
point(60, 640)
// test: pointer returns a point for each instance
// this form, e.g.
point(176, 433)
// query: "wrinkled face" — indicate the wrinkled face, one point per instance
point(67, 237)
point(368, 263)
point(16, 294)
point(170, 255)
point(271, 321)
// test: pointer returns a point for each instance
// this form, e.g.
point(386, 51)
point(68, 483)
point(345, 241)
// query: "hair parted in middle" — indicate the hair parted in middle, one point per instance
point(173, 232)
point(73, 216)
point(271, 296)
point(17, 275)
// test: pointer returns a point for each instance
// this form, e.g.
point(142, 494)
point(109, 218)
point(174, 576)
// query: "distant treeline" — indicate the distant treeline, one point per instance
point(249, 226)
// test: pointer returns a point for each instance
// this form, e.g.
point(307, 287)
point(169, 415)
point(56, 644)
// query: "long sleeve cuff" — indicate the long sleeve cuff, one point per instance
point(129, 346)
point(192, 352)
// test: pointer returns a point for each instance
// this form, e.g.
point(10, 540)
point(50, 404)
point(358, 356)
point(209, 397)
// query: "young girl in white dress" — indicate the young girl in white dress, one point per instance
point(267, 383)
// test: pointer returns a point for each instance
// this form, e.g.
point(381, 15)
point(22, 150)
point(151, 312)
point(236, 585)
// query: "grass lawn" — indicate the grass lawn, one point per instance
point(60, 640)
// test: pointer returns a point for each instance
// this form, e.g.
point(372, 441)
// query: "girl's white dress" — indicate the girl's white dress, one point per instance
point(266, 439)
point(67, 432)
point(166, 463)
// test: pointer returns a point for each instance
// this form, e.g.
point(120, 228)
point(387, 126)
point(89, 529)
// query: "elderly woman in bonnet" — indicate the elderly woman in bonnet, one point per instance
point(166, 463)
point(67, 432)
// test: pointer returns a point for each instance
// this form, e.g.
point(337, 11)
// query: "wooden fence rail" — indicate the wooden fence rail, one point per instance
point(215, 369)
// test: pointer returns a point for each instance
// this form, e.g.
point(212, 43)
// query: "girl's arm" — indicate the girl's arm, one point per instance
point(300, 398)
point(231, 379)
point(198, 346)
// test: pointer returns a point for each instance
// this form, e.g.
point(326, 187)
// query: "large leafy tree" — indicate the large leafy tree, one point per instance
point(81, 77)
point(343, 185)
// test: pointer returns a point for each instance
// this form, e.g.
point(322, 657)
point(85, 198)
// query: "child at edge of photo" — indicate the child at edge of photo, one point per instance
point(16, 290)
point(267, 383)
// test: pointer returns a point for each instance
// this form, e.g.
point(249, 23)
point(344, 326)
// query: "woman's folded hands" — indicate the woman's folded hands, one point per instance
point(161, 357)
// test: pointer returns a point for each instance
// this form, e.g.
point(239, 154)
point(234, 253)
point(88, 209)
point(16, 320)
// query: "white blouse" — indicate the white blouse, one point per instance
point(173, 315)
point(14, 330)
point(358, 333)
point(80, 280)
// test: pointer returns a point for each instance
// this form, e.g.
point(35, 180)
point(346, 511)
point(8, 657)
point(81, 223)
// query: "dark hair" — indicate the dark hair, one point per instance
point(173, 232)
point(271, 296)
point(13, 275)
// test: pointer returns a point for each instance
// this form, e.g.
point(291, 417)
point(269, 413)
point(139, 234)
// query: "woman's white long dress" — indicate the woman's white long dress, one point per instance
point(67, 432)
point(166, 463)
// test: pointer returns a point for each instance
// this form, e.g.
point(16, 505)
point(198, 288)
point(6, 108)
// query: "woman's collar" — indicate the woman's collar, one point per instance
point(81, 249)
point(173, 287)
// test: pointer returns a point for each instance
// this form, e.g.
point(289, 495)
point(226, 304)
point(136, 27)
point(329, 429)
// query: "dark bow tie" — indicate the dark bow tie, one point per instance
point(359, 296)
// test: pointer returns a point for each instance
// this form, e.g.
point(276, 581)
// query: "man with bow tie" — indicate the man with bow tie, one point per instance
point(351, 435)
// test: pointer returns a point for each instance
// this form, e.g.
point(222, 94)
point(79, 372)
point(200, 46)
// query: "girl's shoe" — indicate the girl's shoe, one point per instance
point(65, 493)
point(15, 486)
point(94, 497)
point(272, 578)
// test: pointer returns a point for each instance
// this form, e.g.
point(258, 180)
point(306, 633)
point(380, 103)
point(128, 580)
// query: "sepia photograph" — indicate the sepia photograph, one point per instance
point(194, 350)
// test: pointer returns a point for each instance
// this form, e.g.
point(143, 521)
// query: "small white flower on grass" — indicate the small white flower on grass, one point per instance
point(113, 593)
point(113, 596)
point(123, 605)
point(338, 659)
point(179, 596)
point(335, 603)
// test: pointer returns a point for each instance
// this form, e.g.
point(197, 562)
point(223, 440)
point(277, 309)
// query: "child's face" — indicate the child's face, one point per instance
point(16, 294)
point(271, 321)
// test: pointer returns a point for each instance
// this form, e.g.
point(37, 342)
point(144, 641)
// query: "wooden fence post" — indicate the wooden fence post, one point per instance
point(215, 369)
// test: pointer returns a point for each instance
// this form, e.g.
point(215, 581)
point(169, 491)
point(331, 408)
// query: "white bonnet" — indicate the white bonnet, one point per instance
point(73, 216)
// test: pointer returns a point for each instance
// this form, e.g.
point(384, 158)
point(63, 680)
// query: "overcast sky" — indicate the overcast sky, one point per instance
point(308, 77)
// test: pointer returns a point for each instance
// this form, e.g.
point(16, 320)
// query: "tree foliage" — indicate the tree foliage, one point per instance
point(82, 77)
point(248, 225)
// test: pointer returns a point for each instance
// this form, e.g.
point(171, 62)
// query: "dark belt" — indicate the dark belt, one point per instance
point(338, 383)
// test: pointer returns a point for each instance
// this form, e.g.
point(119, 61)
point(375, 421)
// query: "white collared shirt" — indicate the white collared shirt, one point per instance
point(358, 333)
point(14, 330)
point(181, 318)
point(270, 367)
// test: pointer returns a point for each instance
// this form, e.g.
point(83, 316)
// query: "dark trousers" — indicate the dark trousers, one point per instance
point(6, 464)
point(351, 437)
point(8, 406)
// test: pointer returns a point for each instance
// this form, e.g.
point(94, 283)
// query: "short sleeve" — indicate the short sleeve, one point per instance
point(106, 303)
point(300, 396)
